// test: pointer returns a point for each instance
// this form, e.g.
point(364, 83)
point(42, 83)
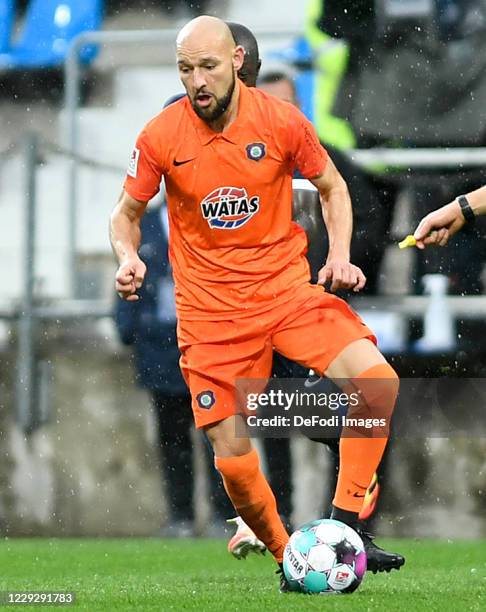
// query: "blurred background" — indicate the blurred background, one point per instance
point(89, 443)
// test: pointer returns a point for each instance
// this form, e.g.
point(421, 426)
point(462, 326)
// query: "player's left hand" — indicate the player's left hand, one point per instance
point(342, 274)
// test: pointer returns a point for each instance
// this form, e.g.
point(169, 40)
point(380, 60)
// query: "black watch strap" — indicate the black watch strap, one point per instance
point(467, 211)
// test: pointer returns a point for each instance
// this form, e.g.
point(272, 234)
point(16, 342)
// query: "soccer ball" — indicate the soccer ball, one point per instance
point(324, 556)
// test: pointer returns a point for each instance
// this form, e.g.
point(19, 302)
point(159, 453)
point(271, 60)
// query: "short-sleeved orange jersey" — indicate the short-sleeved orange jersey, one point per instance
point(234, 249)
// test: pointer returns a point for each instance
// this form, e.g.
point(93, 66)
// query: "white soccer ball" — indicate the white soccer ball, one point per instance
point(324, 556)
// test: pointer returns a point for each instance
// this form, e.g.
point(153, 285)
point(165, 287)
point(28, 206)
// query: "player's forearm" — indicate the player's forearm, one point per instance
point(124, 233)
point(338, 217)
point(477, 201)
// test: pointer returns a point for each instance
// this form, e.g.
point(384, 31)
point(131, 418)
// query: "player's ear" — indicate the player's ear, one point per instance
point(238, 57)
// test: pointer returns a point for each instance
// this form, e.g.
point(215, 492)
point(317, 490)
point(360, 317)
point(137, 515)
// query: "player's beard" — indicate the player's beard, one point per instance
point(210, 115)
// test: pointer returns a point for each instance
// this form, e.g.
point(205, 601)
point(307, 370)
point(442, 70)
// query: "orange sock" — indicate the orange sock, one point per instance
point(361, 453)
point(253, 499)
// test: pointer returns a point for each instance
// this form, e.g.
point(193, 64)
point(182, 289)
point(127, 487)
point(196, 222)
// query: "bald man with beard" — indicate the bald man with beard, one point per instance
point(227, 154)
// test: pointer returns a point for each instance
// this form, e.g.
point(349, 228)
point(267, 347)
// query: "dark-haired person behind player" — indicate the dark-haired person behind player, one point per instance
point(243, 292)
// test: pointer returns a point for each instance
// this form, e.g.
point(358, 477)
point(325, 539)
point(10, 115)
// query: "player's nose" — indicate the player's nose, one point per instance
point(199, 79)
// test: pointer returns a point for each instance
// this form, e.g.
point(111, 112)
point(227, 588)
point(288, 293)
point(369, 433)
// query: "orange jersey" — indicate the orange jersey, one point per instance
point(234, 248)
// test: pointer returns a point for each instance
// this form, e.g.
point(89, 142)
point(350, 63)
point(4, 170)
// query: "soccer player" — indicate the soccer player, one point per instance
point(438, 226)
point(227, 154)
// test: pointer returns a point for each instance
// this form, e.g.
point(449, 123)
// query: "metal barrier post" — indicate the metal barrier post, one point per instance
point(25, 354)
point(72, 88)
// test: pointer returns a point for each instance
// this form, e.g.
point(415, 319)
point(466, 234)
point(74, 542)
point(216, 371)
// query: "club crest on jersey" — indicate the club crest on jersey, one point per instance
point(255, 151)
point(229, 207)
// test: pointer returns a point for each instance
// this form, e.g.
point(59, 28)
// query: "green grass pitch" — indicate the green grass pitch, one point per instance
point(156, 574)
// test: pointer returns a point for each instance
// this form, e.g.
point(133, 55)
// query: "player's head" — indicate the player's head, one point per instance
point(244, 37)
point(279, 84)
point(208, 62)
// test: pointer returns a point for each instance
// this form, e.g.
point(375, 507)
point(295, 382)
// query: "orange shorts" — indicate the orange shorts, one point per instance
point(312, 328)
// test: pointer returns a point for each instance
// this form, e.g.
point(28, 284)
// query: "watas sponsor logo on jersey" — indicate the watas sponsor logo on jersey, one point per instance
point(229, 207)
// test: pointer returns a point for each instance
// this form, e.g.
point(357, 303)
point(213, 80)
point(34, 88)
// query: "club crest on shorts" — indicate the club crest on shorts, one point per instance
point(205, 400)
point(255, 151)
point(229, 207)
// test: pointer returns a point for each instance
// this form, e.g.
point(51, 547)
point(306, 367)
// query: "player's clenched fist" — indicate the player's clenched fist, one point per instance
point(342, 275)
point(129, 278)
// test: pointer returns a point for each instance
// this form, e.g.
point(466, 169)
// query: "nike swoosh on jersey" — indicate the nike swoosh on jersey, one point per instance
point(180, 163)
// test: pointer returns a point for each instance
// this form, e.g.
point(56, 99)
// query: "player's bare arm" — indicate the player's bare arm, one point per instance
point(125, 241)
point(438, 226)
point(338, 217)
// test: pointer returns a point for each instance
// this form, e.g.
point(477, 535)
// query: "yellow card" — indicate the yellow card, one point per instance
point(408, 241)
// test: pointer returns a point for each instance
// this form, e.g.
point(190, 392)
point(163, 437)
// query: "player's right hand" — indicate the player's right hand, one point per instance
point(438, 226)
point(342, 274)
point(129, 278)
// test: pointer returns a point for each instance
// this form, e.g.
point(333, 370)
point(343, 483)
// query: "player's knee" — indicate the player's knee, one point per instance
point(379, 386)
point(228, 438)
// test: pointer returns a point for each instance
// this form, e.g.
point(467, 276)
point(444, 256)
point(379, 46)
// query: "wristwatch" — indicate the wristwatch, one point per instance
point(467, 211)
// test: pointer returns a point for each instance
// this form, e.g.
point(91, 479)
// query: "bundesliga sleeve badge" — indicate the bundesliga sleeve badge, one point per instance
point(133, 163)
point(255, 151)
